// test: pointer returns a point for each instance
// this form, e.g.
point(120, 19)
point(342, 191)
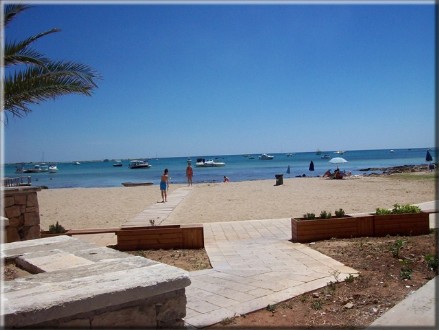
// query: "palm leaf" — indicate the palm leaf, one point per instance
point(37, 84)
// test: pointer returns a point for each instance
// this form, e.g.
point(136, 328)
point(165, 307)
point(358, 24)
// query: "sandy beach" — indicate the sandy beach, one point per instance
point(79, 208)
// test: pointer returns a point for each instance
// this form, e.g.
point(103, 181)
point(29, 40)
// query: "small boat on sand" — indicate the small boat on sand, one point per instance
point(136, 184)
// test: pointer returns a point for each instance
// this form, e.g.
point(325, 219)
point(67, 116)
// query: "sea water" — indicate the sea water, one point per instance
point(238, 168)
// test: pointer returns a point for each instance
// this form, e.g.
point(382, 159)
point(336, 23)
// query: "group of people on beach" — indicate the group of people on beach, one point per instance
point(164, 181)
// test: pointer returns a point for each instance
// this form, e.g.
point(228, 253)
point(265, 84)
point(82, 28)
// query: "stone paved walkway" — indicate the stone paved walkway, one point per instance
point(159, 211)
point(254, 264)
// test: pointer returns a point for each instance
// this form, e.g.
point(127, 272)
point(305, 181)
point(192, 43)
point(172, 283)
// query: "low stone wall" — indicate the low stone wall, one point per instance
point(80, 285)
point(21, 208)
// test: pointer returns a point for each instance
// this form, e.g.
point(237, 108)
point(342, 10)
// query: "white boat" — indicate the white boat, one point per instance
point(36, 169)
point(76, 163)
point(339, 152)
point(201, 162)
point(266, 157)
point(135, 164)
point(53, 168)
point(325, 156)
point(118, 163)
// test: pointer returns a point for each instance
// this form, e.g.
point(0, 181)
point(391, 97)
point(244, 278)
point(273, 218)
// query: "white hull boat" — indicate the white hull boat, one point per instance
point(208, 163)
point(266, 157)
point(136, 164)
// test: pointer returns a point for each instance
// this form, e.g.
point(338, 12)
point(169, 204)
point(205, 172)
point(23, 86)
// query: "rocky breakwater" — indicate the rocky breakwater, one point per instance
point(395, 169)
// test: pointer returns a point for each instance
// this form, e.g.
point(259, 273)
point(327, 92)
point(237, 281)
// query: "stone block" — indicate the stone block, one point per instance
point(16, 222)
point(75, 324)
point(9, 201)
point(12, 211)
point(20, 199)
point(12, 235)
point(31, 219)
point(31, 209)
point(32, 232)
point(134, 317)
point(171, 311)
point(32, 199)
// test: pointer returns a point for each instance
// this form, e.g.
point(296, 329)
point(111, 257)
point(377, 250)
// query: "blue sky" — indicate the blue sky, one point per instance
point(187, 80)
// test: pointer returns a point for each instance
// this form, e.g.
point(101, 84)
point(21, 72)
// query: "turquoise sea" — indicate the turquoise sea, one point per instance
point(238, 168)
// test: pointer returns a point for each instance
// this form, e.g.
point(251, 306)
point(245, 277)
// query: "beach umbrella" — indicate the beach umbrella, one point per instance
point(428, 157)
point(311, 166)
point(338, 160)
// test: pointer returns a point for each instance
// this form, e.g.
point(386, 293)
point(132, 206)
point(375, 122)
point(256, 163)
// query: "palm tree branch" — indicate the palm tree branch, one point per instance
point(38, 84)
point(10, 11)
point(15, 53)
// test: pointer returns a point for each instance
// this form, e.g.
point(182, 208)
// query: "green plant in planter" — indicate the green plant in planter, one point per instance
point(309, 216)
point(380, 211)
point(340, 213)
point(56, 229)
point(399, 209)
point(325, 215)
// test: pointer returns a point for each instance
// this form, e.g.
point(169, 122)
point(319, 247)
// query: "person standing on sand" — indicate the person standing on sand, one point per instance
point(189, 174)
point(164, 185)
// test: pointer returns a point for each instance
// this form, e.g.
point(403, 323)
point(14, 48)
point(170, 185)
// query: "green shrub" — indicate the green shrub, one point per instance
point(406, 271)
point(309, 216)
point(325, 215)
point(396, 247)
point(399, 209)
point(379, 211)
point(340, 213)
point(56, 229)
point(432, 262)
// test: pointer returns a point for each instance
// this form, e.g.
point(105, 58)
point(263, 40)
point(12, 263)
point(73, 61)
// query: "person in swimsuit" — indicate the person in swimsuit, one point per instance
point(189, 174)
point(164, 184)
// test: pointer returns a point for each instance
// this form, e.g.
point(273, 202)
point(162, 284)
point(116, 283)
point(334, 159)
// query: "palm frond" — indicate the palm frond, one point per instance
point(37, 84)
point(19, 53)
point(10, 11)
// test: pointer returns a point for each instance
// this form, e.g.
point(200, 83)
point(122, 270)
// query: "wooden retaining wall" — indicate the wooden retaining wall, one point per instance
point(161, 237)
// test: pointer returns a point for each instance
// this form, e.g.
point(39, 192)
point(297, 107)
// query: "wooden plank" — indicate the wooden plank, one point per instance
point(91, 231)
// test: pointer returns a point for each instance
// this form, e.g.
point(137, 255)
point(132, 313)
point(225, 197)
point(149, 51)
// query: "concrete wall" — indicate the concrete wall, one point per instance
point(21, 208)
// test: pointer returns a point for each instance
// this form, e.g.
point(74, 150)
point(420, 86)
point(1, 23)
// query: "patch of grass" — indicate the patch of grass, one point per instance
point(317, 304)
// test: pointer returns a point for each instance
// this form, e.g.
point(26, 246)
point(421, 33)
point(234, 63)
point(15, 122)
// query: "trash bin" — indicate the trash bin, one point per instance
point(279, 179)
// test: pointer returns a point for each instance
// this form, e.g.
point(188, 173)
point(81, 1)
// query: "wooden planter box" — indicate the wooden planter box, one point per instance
point(161, 237)
point(46, 233)
point(304, 231)
point(401, 224)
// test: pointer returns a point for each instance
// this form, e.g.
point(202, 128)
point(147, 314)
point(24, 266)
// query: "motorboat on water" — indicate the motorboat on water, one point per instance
point(53, 168)
point(36, 169)
point(76, 163)
point(266, 157)
point(135, 164)
point(118, 163)
point(339, 152)
point(325, 156)
point(201, 162)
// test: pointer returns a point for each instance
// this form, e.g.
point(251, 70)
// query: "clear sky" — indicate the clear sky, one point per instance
point(212, 79)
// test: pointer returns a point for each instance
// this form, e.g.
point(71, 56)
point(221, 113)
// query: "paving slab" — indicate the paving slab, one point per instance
point(158, 212)
point(249, 273)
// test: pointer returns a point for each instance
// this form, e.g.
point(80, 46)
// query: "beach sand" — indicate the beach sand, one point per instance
point(79, 208)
